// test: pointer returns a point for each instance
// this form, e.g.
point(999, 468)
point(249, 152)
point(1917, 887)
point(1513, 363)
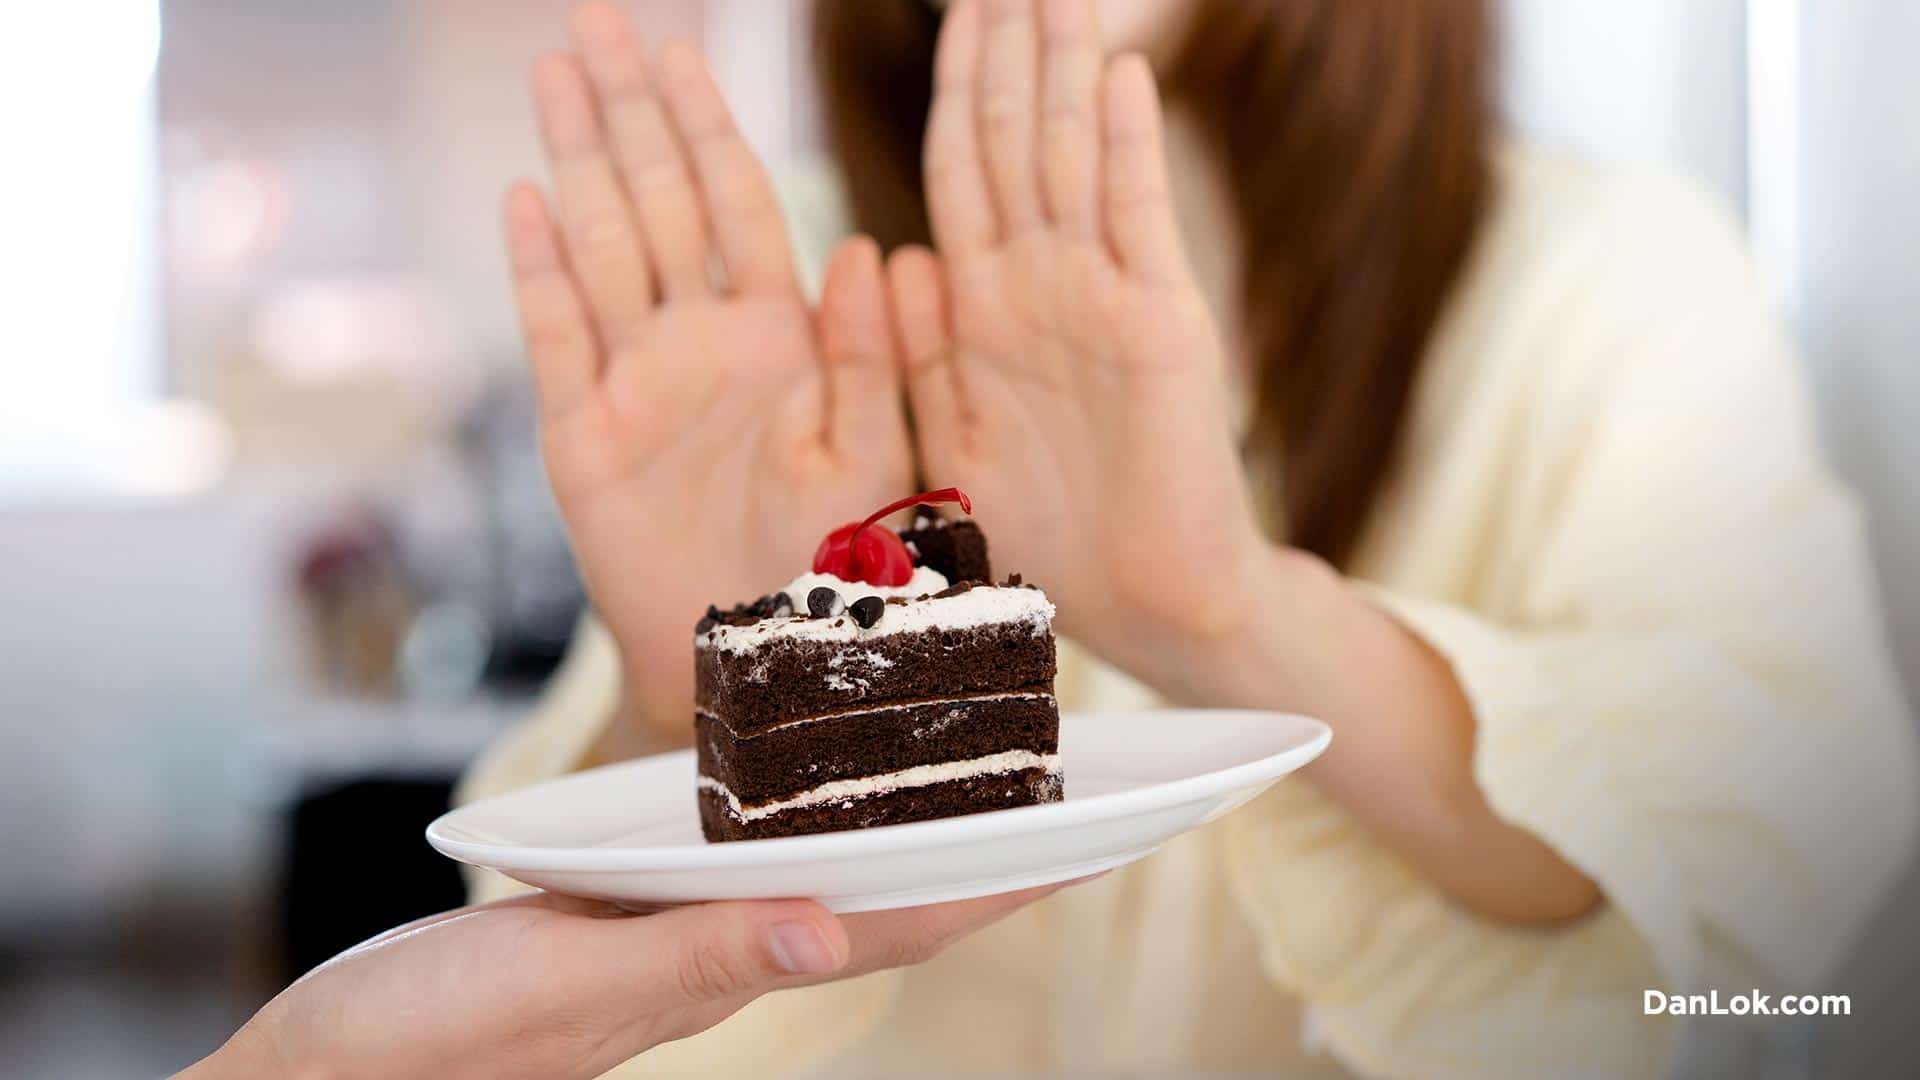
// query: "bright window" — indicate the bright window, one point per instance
point(80, 370)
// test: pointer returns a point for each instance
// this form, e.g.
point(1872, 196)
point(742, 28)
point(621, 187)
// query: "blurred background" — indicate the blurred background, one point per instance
point(276, 554)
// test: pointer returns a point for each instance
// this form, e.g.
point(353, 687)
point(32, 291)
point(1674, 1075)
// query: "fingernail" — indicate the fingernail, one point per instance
point(801, 949)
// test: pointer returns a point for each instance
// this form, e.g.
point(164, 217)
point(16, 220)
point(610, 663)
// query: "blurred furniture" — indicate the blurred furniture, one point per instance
point(350, 785)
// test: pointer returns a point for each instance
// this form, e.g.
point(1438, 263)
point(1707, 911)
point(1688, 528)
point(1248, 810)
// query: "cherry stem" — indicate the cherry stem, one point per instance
point(925, 498)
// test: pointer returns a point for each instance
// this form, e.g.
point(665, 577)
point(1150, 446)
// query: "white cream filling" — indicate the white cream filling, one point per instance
point(862, 787)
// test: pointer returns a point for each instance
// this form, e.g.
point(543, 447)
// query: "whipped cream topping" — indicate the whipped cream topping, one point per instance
point(983, 605)
point(925, 579)
point(880, 784)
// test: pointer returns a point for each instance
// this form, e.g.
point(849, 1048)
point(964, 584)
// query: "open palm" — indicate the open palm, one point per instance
point(1075, 381)
point(700, 435)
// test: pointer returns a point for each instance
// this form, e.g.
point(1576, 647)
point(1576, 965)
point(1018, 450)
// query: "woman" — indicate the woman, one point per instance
point(1496, 463)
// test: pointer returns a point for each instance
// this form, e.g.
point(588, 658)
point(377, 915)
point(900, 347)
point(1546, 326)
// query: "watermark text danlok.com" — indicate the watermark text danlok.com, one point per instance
point(1750, 1003)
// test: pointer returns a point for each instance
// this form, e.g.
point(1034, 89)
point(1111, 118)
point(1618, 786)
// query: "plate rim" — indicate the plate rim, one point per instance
point(917, 835)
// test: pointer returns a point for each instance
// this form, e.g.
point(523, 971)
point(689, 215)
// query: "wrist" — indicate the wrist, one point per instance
point(1257, 646)
point(642, 724)
point(652, 710)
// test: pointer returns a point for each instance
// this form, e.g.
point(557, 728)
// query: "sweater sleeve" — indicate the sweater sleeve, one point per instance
point(552, 740)
point(1679, 680)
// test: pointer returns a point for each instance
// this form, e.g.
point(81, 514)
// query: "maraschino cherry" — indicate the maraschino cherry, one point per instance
point(854, 552)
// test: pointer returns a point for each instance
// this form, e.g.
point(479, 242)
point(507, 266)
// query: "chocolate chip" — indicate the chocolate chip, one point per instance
point(1013, 581)
point(866, 611)
point(900, 600)
point(955, 589)
point(782, 604)
point(705, 624)
point(822, 601)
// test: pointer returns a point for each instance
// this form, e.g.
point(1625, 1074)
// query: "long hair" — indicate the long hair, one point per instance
point(1355, 135)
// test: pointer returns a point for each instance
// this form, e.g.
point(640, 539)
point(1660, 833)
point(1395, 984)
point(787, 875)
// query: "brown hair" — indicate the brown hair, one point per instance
point(1355, 136)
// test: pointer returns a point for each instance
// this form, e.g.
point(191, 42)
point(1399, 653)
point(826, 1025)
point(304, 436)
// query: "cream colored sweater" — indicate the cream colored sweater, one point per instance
point(1614, 520)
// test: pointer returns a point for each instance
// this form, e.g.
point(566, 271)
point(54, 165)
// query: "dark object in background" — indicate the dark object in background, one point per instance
point(358, 863)
point(490, 609)
point(533, 596)
point(356, 600)
point(439, 590)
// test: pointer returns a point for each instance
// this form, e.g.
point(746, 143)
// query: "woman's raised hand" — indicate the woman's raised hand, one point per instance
point(1060, 360)
point(701, 430)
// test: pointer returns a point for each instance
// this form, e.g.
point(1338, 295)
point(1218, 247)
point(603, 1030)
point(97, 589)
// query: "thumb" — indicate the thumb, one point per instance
point(713, 952)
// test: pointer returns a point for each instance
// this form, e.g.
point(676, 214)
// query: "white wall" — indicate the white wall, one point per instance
point(1634, 80)
point(1860, 319)
point(1860, 285)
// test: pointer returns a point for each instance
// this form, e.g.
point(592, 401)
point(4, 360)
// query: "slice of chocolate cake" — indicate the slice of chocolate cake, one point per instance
point(874, 691)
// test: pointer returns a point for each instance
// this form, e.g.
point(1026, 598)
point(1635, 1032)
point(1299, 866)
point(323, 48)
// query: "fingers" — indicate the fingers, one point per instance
point(690, 172)
point(1024, 129)
point(602, 244)
point(917, 288)
point(658, 182)
point(747, 222)
point(707, 953)
point(1006, 123)
point(560, 341)
point(958, 203)
point(1070, 116)
point(1139, 213)
point(905, 936)
point(863, 383)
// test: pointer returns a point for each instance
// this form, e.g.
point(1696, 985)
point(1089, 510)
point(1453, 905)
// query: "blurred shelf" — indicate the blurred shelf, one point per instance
point(312, 743)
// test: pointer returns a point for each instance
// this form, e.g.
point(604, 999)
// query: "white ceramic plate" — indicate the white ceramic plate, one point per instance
point(631, 832)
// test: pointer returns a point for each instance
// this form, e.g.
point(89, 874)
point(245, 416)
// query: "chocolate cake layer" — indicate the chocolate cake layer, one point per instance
point(999, 791)
point(787, 760)
point(788, 678)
